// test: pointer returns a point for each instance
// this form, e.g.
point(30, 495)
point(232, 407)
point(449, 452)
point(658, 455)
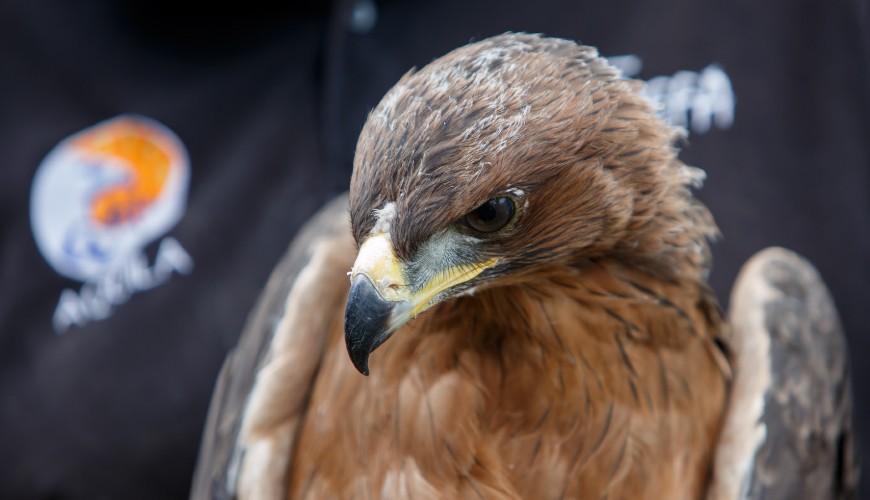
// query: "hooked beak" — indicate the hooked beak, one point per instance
point(381, 300)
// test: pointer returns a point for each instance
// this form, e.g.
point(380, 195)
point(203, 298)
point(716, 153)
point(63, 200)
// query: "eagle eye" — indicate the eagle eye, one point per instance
point(493, 215)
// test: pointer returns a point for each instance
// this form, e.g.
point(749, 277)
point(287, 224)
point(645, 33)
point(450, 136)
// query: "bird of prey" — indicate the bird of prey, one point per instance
point(511, 302)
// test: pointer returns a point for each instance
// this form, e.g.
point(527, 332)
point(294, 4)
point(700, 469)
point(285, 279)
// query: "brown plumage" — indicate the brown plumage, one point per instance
point(574, 351)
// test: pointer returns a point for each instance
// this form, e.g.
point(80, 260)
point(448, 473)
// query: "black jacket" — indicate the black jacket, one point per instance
point(103, 391)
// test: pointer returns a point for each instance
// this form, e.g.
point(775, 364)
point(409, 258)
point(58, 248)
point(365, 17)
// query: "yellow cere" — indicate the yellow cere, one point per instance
point(378, 261)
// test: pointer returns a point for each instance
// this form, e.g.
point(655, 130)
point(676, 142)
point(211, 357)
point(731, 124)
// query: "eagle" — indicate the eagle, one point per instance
point(512, 302)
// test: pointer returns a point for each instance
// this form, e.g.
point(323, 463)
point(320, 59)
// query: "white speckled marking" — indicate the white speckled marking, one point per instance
point(385, 215)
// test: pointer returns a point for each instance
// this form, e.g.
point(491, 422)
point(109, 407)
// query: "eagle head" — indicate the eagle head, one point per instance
point(501, 163)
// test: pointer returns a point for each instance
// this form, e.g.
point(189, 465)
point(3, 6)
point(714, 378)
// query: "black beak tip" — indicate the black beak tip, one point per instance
point(365, 322)
point(360, 360)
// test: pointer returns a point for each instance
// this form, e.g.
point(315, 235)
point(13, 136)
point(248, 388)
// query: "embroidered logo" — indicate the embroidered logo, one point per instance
point(98, 199)
point(697, 101)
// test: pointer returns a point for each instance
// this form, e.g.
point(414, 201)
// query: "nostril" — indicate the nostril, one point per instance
point(387, 284)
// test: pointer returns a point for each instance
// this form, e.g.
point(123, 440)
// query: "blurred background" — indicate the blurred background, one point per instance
point(240, 121)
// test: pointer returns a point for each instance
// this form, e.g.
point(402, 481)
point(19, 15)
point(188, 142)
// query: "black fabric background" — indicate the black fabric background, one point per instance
point(269, 102)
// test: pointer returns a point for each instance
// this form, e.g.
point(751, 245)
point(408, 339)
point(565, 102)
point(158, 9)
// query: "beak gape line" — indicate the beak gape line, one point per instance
point(380, 301)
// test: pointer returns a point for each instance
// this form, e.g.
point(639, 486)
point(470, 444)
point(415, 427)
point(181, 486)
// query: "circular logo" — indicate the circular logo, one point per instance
point(101, 195)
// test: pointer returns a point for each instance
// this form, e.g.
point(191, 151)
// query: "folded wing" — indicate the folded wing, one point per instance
point(788, 433)
point(262, 391)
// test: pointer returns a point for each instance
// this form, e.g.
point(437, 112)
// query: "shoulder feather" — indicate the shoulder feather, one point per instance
point(263, 385)
point(788, 432)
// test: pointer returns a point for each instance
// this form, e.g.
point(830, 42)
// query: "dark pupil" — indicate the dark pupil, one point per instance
point(487, 211)
point(491, 216)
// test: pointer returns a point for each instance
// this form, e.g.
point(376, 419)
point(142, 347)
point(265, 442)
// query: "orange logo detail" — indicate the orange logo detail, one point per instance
point(146, 161)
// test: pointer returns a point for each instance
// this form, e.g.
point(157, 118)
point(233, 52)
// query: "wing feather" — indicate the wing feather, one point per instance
point(788, 432)
point(261, 392)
